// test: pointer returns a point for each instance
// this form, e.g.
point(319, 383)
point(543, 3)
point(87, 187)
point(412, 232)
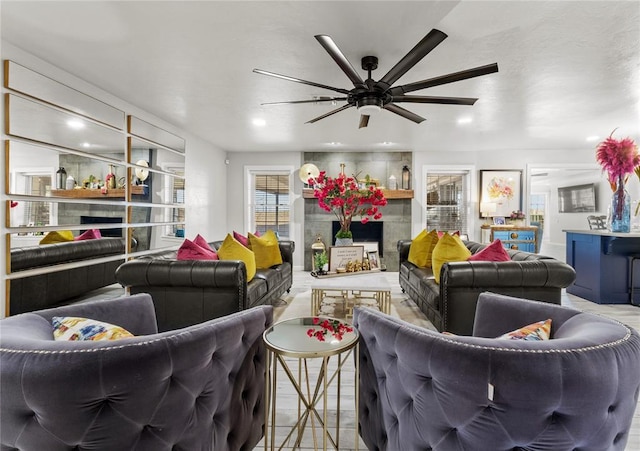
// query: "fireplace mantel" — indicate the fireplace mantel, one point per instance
point(307, 193)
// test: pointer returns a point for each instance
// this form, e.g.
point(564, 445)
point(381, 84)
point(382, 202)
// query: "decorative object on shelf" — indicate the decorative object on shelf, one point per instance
point(406, 177)
point(619, 158)
point(110, 179)
point(342, 197)
point(308, 172)
point(502, 187)
point(393, 183)
point(61, 178)
point(70, 183)
point(141, 173)
point(328, 326)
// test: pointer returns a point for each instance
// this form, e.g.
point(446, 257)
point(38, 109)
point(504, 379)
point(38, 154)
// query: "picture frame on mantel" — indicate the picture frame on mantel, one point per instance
point(502, 187)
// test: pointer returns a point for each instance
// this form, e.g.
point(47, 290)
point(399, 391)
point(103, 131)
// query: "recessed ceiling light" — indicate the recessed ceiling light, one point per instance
point(75, 123)
point(465, 120)
point(592, 138)
point(86, 145)
point(334, 143)
point(386, 143)
point(259, 122)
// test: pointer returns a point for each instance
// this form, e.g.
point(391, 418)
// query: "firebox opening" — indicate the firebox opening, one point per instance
point(369, 232)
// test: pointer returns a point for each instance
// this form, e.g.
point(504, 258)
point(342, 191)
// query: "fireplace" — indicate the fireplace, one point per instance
point(371, 232)
point(116, 233)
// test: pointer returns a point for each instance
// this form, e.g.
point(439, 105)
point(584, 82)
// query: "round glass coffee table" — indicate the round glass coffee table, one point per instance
point(298, 340)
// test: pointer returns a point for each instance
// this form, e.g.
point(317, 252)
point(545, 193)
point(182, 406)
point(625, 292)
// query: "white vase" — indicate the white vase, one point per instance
point(344, 241)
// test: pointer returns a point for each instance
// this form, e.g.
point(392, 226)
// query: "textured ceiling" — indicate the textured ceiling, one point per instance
point(568, 69)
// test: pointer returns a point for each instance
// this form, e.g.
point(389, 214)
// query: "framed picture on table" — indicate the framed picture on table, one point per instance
point(499, 220)
point(373, 260)
point(341, 256)
point(502, 187)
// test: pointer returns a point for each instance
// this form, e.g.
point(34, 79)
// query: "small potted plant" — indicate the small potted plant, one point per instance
point(321, 262)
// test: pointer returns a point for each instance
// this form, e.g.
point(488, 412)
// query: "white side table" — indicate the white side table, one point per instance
point(290, 338)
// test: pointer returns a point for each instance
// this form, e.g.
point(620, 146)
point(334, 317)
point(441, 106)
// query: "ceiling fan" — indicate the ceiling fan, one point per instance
point(369, 96)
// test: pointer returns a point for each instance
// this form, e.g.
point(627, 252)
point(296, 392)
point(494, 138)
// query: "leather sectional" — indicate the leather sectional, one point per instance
point(187, 292)
point(451, 305)
point(60, 286)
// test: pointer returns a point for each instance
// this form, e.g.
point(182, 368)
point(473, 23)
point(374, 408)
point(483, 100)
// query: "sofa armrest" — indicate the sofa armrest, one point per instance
point(286, 250)
point(535, 273)
point(403, 250)
point(183, 273)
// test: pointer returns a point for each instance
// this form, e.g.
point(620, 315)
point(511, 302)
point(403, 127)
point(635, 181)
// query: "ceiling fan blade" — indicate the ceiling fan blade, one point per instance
point(422, 48)
point(328, 99)
point(337, 110)
point(436, 99)
point(364, 120)
point(298, 80)
point(444, 79)
point(333, 50)
point(404, 113)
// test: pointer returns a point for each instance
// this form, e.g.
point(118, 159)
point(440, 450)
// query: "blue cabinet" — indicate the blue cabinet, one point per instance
point(515, 238)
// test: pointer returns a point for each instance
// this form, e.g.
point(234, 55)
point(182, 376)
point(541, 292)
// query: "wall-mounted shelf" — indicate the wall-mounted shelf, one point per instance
point(95, 193)
point(307, 193)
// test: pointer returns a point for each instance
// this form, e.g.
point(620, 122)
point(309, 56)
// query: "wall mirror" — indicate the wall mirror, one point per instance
point(35, 121)
point(145, 130)
point(41, 213)
point(44, 171)
point(155, 237)
point(155, 157)
point(156, 215)
point(36, 85)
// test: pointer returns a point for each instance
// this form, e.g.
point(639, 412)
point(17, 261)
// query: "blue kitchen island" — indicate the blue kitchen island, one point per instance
point(603, 262)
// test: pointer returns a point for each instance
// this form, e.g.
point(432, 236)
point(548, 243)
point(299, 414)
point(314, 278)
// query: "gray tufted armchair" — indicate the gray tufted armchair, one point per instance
point(421, 390)
point(192, 389)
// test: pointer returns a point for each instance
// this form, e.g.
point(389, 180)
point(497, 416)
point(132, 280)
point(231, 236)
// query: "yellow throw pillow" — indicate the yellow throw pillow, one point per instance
point(450, 248)
point(57, 236)
point(266, 249)
point(421, 249)
point(231, 249)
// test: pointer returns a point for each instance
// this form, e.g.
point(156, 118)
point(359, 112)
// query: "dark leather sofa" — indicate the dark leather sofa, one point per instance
point(187, 292)
point(451, 305)
point(51, 289)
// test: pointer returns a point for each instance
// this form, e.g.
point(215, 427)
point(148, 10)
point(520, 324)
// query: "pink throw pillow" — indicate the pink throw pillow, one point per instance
point(241, 239)
point(494, 252)
point(191, 251)
point(91, 234)
point(200, 241)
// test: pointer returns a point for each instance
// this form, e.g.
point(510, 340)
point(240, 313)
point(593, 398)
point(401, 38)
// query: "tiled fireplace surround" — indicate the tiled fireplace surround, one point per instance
point(396, 215)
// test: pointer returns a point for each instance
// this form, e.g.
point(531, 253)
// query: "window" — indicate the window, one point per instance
point(175, 190)
point(447, 205)
point(269, 206)
point(36, 183)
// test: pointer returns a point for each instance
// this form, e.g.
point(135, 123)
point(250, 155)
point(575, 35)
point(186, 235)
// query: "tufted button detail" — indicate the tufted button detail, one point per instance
point(611, 409)
point(618, 437)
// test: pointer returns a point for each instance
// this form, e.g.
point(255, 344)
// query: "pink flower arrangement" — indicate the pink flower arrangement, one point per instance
point(618, 157)
point(328, 326)
point(343, 197)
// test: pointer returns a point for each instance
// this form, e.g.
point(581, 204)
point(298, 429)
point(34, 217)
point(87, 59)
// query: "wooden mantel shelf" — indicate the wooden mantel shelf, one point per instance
point(95, 193)
point(307, 193)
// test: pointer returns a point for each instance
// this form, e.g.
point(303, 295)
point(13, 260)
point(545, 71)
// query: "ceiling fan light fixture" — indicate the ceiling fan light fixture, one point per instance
point(368, 110)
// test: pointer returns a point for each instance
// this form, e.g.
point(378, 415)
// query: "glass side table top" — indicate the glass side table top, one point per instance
point(291, 337)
